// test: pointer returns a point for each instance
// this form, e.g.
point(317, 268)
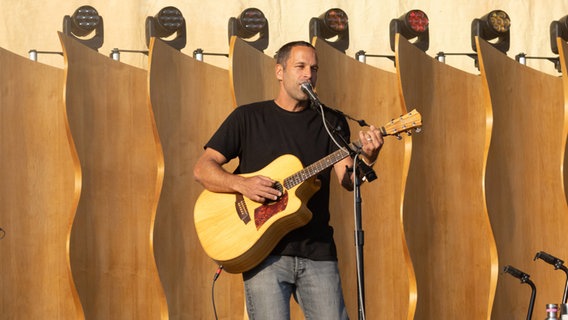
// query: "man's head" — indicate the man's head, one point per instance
point(283, 54)
point(296, 63)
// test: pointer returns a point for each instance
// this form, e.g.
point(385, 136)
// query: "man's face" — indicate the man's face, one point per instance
point(301, 66)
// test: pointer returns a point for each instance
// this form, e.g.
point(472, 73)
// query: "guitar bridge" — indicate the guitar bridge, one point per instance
point(241, 208)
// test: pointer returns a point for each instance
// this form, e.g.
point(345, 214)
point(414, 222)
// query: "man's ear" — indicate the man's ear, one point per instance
point(279, 70)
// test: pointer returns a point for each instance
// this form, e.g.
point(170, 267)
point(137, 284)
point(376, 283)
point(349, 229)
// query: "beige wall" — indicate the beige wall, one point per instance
point(32, 24)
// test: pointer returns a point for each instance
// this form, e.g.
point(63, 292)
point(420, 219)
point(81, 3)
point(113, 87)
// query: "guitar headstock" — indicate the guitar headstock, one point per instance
point(404, 123)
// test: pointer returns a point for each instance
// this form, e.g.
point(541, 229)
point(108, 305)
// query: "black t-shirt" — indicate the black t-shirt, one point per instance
point(260, 132)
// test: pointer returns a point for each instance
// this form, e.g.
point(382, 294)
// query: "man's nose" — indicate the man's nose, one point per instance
point(308, 73)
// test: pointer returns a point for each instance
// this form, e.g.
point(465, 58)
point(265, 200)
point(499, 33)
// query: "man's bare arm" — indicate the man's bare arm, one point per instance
point(210, 173)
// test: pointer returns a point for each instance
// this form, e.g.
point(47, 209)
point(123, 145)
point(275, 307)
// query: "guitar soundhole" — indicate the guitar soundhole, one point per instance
point(278, 186)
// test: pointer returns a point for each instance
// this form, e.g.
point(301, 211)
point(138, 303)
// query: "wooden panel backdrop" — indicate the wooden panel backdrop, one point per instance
point(524, 182)
point(111, 245)
point(563, 56)
point(41, 184)
point(190, 99)
point(445, 215)
point(365, 92)
point(252, 74)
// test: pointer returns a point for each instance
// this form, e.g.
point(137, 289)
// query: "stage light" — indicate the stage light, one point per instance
point(411, 25)
point(493, 27)
point(82, 23)
point(164, 24)
point(332, 24)
point(250, 23)
point(558, 29)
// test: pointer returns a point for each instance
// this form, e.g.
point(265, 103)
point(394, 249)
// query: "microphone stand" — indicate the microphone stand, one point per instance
point(359, 241)
point(360, 169)
point(525, 278)
point(558, 264)
point(362, 172)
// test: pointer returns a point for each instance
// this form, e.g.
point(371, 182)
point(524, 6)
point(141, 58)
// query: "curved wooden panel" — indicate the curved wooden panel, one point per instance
point(190, 99)
point(445, 216)
point(41, 184)
point(524, 181)
point(111, 245)
point(563, 56)
point(251, 73)
point(368, 93)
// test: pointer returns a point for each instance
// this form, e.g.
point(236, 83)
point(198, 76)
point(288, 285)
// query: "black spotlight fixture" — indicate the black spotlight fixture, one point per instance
point(558, 29)
point(411, 25)
point(332, 24)
point(81, 25)
point(493, 27)
point(164, 24)
point(251, 26)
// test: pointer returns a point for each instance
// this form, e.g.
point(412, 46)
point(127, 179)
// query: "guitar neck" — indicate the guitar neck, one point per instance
point(315, 168)
point(404, 123)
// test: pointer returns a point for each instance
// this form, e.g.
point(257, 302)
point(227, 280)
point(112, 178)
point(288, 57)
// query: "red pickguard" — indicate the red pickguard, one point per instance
point(267, 211)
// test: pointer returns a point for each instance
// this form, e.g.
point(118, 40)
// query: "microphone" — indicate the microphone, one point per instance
point(524, 279)
point(309, 90)
point(516, 273)
point(550, 259)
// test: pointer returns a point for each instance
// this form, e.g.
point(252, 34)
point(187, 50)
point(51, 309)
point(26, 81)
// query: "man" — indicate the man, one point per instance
point(304, 262)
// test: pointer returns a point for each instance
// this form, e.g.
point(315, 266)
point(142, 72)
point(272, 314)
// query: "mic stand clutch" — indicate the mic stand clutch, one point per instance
point(364, 171)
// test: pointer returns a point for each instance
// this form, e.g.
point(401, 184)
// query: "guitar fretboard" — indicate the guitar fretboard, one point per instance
point(315, 168)
point(404, 123)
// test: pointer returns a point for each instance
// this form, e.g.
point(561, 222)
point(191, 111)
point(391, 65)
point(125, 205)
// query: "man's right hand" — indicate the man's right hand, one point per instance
point(258, 189)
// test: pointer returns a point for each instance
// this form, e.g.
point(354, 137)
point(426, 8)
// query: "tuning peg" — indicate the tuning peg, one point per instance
point(398, 137)
point(418, 129)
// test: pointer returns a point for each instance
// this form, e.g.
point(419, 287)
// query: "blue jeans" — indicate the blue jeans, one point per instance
point(314, 284)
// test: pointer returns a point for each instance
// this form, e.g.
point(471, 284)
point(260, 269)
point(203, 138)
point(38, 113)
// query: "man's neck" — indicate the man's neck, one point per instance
point(291, 105)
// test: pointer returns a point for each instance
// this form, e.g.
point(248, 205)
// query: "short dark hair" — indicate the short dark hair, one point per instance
point(283, 53)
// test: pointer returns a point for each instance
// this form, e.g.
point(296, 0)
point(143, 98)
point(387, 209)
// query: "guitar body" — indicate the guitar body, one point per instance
point(239, 233)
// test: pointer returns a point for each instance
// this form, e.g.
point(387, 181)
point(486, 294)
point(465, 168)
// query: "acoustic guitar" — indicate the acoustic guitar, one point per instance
point(238, 233)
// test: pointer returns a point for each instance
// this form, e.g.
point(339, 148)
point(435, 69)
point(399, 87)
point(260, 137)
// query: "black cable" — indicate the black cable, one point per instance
point(217, 274)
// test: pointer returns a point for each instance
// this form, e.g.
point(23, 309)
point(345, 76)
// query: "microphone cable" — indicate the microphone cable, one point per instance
point(318, 106)
point(215, 277)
